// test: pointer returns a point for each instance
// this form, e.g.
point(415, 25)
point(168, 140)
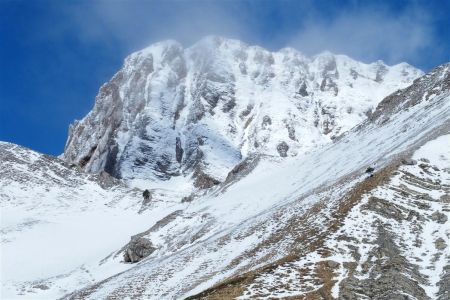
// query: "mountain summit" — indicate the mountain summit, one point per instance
point(197, 112)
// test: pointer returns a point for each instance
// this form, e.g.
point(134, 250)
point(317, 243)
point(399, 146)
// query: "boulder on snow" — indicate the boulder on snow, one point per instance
point(440, 244)
point(439, 217)
point(332, 264)
point(137, 249)
point(409, 161)
point(282, 149)
point(266, 121)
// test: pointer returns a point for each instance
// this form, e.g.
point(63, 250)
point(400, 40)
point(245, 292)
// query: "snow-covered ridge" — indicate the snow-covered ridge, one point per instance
point(200, 110)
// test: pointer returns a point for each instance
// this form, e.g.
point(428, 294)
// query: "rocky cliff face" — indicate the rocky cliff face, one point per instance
point(200, 110)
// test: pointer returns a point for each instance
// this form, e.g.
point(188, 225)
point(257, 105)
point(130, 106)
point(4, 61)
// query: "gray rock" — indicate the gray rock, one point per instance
point(384, 208)
point(424, 167)
point(243, 168)
point(282, 149)
point(187, 199)
point(291, 132)
point(229, 105)
point(444, 284)
point(137, 249)
point(178, 150)
point(41, 286)
point(266, 121)
point(421, 204)
point(440, 244)
point(439, 217)
point(381, 72)
point(303, 90)
point(409, 161)
point(106, 181)
point(203, 180)
point(391, 276)
point(445, 198)
point(165, 146)
point(435, 168)
point(246, 111)
point(332, 264)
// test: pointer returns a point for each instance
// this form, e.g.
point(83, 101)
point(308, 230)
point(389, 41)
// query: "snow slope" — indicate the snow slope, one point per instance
point(406, 219)
point(59, 223)
point(260, 218)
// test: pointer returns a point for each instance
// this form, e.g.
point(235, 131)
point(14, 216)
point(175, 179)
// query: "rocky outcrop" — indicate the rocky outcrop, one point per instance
point(106, 180)
point(444, 284)
point(439, 217)
point(423, 89)
point(137, 249)
point(391, 276)
point(204, 181)
point(242, 169)
point(409, 161)
point(178, 150)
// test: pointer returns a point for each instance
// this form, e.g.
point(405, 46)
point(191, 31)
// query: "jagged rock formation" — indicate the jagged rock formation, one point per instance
point(200, 110)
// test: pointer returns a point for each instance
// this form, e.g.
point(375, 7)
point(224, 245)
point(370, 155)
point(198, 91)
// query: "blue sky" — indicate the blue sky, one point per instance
point(55, 54)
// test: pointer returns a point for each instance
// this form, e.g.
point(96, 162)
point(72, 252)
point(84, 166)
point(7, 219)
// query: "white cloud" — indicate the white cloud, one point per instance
point(363, 32)
point(135, 24)
point(368, 35)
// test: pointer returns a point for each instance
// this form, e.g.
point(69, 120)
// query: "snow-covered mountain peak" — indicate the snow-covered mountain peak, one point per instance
point(198, 111)
point(293, 208)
